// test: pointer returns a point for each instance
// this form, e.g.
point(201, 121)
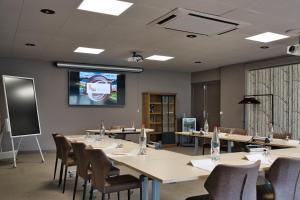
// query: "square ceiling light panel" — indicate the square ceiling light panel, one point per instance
point(88, 50)
point(267, 37)
point(109, 7)
point(159, 58)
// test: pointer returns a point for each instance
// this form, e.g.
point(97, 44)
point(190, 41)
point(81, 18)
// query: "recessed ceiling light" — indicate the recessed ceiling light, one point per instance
point(30, 44)
point(191, 36)
point(264, 47)
point(48, 11)
point(159, 58)
point(267, 37)
point(109, 7)
point(88, 50)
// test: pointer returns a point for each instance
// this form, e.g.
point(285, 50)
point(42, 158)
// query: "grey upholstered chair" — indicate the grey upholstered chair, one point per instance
point(83, 167)
point(101, 167)
point(231, 183)
point(284, 181)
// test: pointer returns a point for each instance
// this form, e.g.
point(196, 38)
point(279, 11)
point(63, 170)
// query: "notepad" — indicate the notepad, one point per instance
point(205, 164)
point(258, 156)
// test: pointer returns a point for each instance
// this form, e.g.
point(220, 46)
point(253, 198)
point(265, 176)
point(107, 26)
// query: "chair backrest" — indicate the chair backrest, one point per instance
point(100, 166)
point(58, 147)
point(224, 130)
point(284, 175)
point(239, 131)
point(65, 147)
point(82, 160)
point(282, 135)
point(233, 182)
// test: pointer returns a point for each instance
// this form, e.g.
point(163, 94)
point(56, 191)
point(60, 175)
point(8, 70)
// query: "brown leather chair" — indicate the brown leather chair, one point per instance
point(239, 131)
point(282, 135)
point(83, 166)
point(231, 183)
point(283, 181)
point(224, 130)
point(101, 181)
point(58, 153)
point(121, 136)
point(68, 159)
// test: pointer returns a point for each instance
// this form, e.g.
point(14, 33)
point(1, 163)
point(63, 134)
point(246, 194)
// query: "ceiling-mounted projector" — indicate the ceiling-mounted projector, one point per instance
point(294, 50)
point(135, 58)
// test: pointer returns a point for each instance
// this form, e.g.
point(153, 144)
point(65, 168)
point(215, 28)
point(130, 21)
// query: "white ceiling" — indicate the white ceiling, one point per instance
point(56, 36)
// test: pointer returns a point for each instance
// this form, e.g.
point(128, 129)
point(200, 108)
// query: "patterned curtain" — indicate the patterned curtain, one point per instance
point(284, 83)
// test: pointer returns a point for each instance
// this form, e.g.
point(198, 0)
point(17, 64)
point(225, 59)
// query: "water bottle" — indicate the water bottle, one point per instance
point(215, 145)
point(271, 131)
point(132, 125)
point(143, 141)
point(102, 131)
point(206, 127)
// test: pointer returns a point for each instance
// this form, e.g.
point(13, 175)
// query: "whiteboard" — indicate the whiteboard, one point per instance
point(21, 106)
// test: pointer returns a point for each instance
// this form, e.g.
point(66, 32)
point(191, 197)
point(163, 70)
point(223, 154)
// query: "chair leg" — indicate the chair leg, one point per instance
point(61, 173)
point(141, 193)
point(203, 149)
point(108, 195)
point(65, 177)
point(128, 194)
point(118, 195)
point(55, 168)
point(75, 186)
point(84, 189)
point(103, 195)
point(91, 193)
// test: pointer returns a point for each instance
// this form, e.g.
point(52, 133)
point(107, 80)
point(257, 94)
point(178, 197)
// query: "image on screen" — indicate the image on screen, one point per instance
point(96, 88)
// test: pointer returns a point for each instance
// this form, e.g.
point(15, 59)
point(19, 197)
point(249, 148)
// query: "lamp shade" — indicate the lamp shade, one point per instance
point(249, 100)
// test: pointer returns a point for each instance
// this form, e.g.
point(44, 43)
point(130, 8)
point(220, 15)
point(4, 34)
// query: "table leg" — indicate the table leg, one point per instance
point(228, 146)
point(155, 190)
point(144, 180)
point(196, 145)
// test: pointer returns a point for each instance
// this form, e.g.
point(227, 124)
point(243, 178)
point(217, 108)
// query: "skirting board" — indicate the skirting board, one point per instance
point(7, 155)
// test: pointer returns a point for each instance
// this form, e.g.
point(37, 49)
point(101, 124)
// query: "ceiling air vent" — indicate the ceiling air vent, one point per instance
point(190, 21)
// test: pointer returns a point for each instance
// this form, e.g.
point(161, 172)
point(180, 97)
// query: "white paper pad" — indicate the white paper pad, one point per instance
point(206, 164)
point(257, 156)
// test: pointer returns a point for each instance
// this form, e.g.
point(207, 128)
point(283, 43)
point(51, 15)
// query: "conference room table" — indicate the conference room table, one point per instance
point(121, 132)
point(280, 143)
point(223, 136)
point(163, 166)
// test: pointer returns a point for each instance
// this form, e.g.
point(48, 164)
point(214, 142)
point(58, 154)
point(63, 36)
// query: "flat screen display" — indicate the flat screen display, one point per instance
point(94, 88)
point(21, 106)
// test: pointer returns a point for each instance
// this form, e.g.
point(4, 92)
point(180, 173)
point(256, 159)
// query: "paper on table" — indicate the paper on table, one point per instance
point(121, 152)
point(257, 156)
point(205, 164)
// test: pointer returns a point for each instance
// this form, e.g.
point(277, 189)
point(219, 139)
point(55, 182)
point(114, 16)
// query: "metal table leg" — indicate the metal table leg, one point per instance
point(228, 146)
point(144, 180)
point(196, 145)
point(155, 190)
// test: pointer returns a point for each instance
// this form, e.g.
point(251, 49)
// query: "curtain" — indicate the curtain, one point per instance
point(284, 83)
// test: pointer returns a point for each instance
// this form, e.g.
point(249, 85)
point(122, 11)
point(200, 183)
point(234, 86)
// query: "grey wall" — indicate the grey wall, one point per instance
point(233, 85)
point(57, 116)
point(204, 76)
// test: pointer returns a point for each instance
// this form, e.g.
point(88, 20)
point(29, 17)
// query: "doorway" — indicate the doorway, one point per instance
point(206, 102)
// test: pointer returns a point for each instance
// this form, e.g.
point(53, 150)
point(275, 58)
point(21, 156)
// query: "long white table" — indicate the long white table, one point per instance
point(281, 143)
point(119, 131)
point(164, 166)
point(223, 136)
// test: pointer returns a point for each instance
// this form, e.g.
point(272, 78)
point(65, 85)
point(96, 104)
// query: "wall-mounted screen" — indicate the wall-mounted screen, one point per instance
point(94, 88)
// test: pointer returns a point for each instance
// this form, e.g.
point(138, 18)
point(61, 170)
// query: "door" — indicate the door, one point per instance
point(206, 102)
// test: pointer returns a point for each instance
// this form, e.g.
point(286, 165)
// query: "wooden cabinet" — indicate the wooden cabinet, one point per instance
point(159, 113)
